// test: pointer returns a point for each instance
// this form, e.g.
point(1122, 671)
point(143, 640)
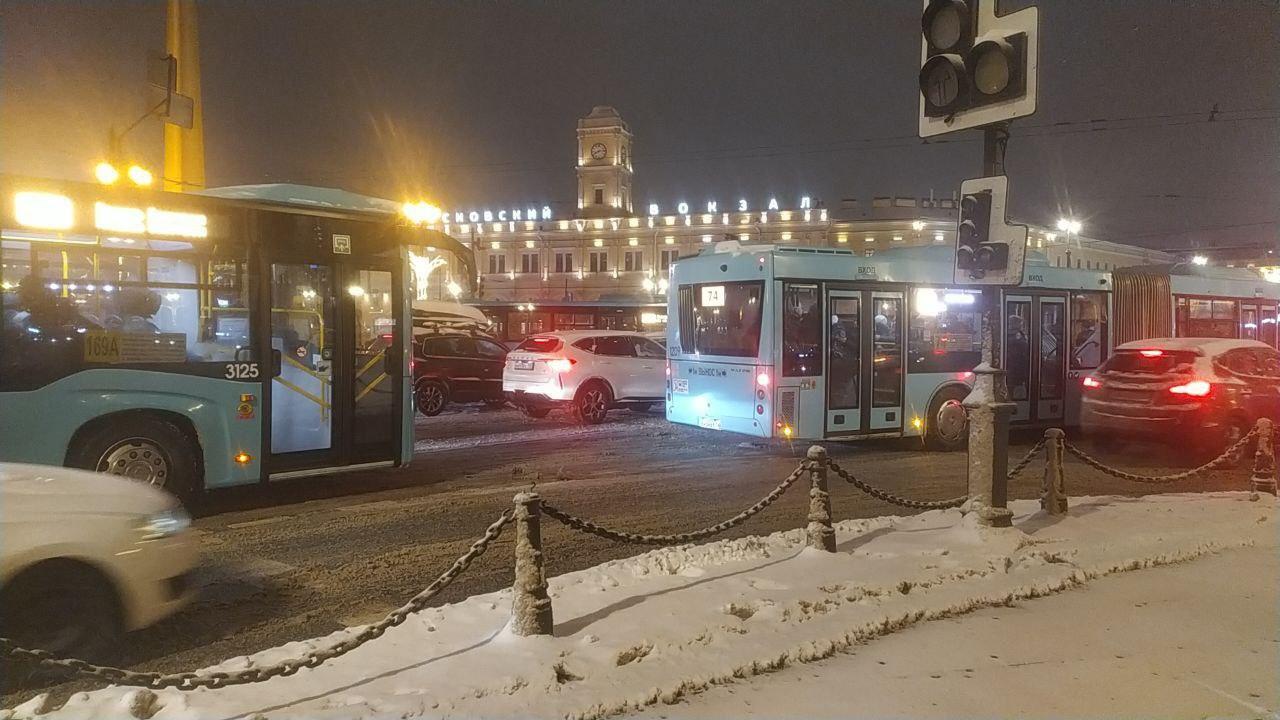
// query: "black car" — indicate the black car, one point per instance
point(456, 368)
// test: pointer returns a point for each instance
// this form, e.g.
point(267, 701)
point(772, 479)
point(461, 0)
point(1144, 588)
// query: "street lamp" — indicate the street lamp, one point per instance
point(421, 212)
point(106, 173)
point(1071, 227)
point(139, 175)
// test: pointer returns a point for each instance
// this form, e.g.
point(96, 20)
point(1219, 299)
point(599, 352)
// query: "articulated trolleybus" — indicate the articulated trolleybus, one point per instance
point(194, 342)
point(816, 343)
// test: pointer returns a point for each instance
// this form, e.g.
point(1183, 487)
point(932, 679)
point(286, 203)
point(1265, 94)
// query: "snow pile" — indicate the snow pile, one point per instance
point(652, 628)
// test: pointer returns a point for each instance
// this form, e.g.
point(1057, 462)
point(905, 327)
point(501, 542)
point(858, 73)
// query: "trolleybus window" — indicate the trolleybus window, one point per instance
point(843, 345)
point(946, 331)
point(1051, 344)
point(886, 384)
point(71, 307)
point(724, 318)
point(801, 331)
point(1088, 330)
point(1017, 350)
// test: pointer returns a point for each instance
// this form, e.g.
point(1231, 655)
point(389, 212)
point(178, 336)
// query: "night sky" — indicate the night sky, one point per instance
point(474, 104)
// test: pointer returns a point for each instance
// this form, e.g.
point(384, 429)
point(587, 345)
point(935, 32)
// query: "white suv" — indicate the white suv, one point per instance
point(587, 371)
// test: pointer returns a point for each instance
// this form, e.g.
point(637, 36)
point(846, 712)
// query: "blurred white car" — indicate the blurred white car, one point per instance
point(85, 557)
point(586, 371)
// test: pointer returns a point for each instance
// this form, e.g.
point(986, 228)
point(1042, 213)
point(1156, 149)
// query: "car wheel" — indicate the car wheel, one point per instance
point(946, 427)
point(142, 448)
point(640, 407)
point(591, 404)
point(431, 396)
point(535, 412)
point(495, 403)
point(64, 607)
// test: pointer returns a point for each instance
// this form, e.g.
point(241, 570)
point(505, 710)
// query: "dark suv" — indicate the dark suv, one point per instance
point(1200, 395)
point(456, 368)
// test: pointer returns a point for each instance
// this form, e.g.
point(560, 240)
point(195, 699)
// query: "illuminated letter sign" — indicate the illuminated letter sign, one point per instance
point(773, 204)
point(742, 205)
point(711, 206)
point(473, 216)
point(653, 208)
point(167, 222)
point(546, 212)
point(683, 208)
point(804, 202)
point(502, 216)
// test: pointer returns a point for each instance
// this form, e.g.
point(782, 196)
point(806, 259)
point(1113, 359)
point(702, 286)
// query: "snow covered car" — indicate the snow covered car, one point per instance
point(587, 372)
point(85, 557)
point(1197, 394)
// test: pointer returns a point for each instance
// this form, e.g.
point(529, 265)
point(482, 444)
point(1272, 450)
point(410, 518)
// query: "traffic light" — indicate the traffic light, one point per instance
point(976, 68)
point(989, 251)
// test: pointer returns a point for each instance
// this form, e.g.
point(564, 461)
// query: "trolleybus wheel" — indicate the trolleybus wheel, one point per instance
point(142, 448)
point(946, 427)
point(591, 404)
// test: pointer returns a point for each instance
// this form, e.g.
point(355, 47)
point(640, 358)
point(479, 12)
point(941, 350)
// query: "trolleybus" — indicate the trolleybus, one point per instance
point(200, 342)
point(816, 343)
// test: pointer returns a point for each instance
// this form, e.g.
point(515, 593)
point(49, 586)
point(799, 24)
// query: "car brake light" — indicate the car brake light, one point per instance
point(561, 364)
point(763, 379)
point(1151, 353)
point(1195, 388)
point(1090, 381)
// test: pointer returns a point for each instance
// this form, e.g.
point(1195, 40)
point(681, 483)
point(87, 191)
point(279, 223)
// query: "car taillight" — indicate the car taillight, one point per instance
point(1151, 353)
point(1195, 388)
point(561, 364)
point(1090, 381)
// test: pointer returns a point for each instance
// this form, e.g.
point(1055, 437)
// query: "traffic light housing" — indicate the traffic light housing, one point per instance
point(989, 251)
point(976, 68)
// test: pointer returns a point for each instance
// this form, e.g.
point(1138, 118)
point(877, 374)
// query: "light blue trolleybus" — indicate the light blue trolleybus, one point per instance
point(197, 342)
point(816, 343)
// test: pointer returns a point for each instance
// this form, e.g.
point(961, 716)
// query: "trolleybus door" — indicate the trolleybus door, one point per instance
point(844, 362)
point(1051, 357)
point(864, 361)
point(885, 369)
point(335, 395)
point(1035, 349)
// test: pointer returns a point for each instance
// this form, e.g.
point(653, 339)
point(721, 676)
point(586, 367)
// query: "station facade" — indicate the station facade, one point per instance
point(605, 264)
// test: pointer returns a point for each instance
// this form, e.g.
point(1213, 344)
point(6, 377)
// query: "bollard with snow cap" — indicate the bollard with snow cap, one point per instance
point(1264, 459)
point(821, 535)
point(1053, 493)
point(530, 603)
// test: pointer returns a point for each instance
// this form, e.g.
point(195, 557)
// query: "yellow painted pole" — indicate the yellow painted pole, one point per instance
point(183, 148)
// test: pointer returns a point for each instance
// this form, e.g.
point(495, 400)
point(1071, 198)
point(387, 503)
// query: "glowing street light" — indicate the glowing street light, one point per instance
point(1069, 226)
point(139, 175)
point(917, 225)
point(106, 173)
point(1199, 260)
point(421, 212)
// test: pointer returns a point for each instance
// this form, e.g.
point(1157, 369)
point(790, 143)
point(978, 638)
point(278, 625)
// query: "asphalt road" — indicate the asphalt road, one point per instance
point(305, 558)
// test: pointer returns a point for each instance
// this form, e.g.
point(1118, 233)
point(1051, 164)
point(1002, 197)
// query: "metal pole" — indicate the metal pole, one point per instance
point(988, 404)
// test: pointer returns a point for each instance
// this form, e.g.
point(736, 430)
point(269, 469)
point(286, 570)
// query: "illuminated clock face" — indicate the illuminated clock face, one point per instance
point(598, 151)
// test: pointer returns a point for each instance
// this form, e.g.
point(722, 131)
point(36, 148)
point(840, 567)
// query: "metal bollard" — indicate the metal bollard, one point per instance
point(530, 604)
point(821, 535)
point(1264, 460)
point(1053, 492)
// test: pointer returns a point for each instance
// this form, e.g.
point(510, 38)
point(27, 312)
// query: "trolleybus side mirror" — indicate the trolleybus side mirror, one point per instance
point(275, 363)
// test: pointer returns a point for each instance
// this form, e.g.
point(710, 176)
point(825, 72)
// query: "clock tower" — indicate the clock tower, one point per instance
point(604, 164)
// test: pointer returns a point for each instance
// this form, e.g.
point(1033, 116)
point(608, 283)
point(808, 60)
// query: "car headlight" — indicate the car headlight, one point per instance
point(164, 524)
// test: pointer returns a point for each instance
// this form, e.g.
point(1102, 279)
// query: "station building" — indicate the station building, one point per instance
point(604, 263)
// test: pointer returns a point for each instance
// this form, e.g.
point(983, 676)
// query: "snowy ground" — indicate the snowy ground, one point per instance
point(646, 631)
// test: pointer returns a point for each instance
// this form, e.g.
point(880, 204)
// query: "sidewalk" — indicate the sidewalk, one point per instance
point(1197, 639)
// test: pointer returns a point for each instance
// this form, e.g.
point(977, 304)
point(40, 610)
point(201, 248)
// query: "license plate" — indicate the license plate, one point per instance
point(524, 364)
point(680, 386)
point(709, 423)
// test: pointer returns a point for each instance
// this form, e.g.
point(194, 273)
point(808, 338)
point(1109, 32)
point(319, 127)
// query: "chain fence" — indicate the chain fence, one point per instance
point(1230, 456)
point(583, 525)
point(1026, 459)
point(885, 495)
